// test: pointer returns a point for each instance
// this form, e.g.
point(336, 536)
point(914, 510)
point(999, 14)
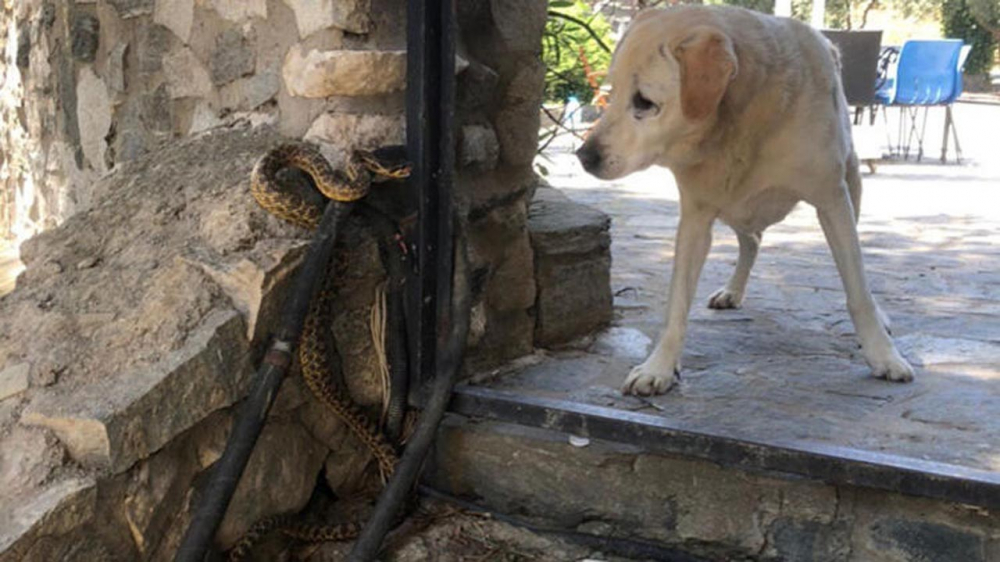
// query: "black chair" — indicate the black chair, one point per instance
point(859, 57)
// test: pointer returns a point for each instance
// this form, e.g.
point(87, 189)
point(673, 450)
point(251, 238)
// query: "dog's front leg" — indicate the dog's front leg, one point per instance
point(837, 219)
point(661, 369)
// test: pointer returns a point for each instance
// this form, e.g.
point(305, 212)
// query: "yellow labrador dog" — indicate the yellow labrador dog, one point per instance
point(748, 112)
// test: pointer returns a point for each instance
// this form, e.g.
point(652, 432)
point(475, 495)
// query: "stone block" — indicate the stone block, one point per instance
point(320, 74)
point(314, 15)
point(233, 57)
point(572, 267)
point(478, 148)
point(114, 74)
point(132, 8)
point(239, 11)
point(86, 34)
point(153, 44)
point(279, 478)
point(793, 539)
point(186, 76)
point(520, 23)
point(904, 540)
point(177, 16)
point(339, 133)
point(517, 121)
point(14, 380)
point(94, 117)
point(107, 424)
point(61, 507)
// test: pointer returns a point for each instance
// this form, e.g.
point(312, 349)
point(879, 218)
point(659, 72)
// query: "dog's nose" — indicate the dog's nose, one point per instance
point(590, 157)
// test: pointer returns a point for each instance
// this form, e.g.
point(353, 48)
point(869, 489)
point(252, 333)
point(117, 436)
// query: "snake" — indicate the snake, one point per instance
point(347, 184)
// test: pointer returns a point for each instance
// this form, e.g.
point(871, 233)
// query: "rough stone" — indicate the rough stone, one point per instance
point(320, 74)
point(810, 540)
point(86, 36)
point(14, 380)
point(115, 72)
point(904, 540)
point(279, 478)
point(62, 506)
point(340, 133)
point(177, 16)
point(520, 23)
point(132, 8)
point(518, 120)
point(479, 147)
point(314, 15)
point(572, 267)
point(251, 92)
point(154, 42)
point(94, 115)
point(239, 11)
point(109, 429)
point(232, 58)
point(185, 74)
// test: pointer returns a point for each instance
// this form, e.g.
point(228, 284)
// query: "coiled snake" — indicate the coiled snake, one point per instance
point(346, 185)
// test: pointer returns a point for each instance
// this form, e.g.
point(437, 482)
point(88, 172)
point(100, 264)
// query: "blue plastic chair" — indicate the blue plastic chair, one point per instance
point(928, 73)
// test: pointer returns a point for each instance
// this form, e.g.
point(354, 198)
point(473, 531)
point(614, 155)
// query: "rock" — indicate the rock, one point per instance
point(85, 37)
point(251, 92)
point(518, 120)
point(346, 467)
point(520, 23)
point(478, 148)
point(185, 74)
point(115, 72)
point(811, 540)
point(108, 428)
point(320, 74)
point(239, 11)
point(572, 267)
point(132, 8)
point(925, 540)
point(477, 89)
point(87, 263)
point(253, 286)
point(343, 132)
point(279, 478)
point(63, 506)
point(94, 115)
point(559, 225)
point(154, 42)
point(14, 380)
point(175, 15)
point(204, 118)
point(232, 58)
point(314, 15)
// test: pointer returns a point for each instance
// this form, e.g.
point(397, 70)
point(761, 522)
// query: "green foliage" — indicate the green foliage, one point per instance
point(959, 22)
point(572, 26)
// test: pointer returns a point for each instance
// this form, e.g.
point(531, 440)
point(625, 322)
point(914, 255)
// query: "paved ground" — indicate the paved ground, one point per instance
point(786, 367)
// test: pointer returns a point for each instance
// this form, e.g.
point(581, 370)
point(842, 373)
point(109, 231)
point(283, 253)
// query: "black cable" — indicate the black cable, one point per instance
point(405, 475)
point(225, 475)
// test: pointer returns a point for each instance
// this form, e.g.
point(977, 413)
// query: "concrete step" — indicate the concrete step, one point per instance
point(738, 505)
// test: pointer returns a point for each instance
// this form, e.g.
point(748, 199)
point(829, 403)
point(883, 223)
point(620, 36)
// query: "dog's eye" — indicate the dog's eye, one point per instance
point(642, 104)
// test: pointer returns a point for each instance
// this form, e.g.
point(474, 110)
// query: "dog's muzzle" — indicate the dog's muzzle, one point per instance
point(590, 157)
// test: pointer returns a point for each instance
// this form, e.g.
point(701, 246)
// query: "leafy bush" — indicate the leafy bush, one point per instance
point(573, 26)
point(959, 22)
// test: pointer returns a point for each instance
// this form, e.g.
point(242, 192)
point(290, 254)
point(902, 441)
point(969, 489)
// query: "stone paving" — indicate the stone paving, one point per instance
point(786, 367)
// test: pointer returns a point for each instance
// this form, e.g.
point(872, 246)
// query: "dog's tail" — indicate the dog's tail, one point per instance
point(853, 177)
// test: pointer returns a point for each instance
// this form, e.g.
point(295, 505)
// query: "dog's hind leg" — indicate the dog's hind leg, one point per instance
point(731, 296)
point(880, 352)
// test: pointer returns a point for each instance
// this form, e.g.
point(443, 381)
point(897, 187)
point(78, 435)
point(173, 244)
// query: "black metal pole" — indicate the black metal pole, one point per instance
point(218, 492)
point(443, 316)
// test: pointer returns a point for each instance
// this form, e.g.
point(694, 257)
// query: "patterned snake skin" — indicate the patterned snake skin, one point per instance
point(346, 185)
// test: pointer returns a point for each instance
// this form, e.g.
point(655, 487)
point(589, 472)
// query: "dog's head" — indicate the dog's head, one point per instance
point(668, 76)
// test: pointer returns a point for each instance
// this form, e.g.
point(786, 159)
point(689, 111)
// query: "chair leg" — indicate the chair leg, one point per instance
point(923, 133)
point(944, 141)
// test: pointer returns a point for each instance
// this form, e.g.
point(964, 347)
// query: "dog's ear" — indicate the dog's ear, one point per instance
point(708, 64)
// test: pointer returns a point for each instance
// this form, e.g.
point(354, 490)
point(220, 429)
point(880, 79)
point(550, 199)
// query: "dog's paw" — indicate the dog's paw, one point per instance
point(892, 368)
point(651, 378)
point(724, 298)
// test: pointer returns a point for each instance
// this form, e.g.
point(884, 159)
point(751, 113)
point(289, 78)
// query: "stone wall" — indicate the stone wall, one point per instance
point(129, 130)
